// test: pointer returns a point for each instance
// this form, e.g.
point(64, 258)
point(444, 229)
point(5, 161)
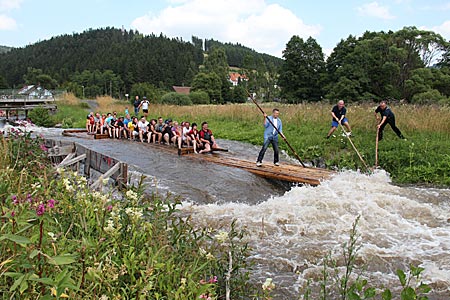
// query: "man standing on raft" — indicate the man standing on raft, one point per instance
point(271, 136)
point(387, 117)
point(338, 113)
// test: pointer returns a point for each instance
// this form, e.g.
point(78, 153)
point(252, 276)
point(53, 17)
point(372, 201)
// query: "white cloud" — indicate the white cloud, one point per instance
point(7, 23)
point(443, 29)
point(374, 9)
point(253, 23)
point(8, 5)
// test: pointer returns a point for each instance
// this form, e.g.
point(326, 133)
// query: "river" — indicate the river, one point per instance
point(291, 228)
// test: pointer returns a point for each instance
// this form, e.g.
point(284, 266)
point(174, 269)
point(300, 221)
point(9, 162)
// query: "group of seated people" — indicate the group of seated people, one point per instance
point(154, 131)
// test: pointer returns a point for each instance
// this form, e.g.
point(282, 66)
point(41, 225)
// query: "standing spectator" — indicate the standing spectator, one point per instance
point(137, 105)
point(144, 104)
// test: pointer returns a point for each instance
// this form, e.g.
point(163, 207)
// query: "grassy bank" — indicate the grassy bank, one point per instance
point(423, 159)
point(59, 239)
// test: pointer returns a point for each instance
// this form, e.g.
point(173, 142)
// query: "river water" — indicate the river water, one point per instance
point(291, 228)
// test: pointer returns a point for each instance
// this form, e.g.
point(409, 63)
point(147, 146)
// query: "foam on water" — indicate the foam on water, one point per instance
point(398, 226)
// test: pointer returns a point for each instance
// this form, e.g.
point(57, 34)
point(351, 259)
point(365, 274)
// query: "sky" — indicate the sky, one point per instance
point(264, 25)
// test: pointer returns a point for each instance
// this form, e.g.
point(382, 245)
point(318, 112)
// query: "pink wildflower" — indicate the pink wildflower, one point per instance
point(51, 203)
point(40, 210)
point(109, 208)
point(13, 214)
point(213, 279)
point(14, 199)
point(43, 148)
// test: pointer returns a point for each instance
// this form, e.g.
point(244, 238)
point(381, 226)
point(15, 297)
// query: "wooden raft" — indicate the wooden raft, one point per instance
point(285, 172)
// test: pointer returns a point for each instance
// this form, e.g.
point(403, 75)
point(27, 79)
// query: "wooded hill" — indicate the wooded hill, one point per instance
point(4, 49)
point(127, 57)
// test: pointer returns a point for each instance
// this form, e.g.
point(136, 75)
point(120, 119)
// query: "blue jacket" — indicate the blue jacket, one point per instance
point(268, 131)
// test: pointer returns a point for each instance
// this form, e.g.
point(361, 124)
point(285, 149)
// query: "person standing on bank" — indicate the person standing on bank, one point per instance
point(387, 117)
point(144, 104)
point(339, 117)
point(137, 105)
point(271, 136)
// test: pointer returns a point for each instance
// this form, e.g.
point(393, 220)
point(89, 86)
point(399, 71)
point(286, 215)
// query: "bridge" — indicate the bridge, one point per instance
point(8, 105)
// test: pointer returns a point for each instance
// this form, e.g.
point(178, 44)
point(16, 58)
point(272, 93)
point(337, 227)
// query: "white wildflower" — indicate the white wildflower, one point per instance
point(222, 237)
point(131, 195)
point(268, 285)
point(209, 256)
point(52, 235)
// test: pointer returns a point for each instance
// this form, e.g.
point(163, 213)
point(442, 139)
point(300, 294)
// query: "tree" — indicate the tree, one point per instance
point(37, 77)
point(210, 83)
point(303, 71)
point(3, 83)
point(145, 89)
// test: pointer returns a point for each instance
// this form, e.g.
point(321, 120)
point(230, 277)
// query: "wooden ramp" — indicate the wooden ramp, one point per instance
point(285, 172)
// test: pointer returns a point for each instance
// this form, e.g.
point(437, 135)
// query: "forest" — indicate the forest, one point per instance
point(410, 64)
point(110, 61)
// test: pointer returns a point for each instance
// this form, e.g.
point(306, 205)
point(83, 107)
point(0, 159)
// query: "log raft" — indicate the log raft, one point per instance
point(285, 172)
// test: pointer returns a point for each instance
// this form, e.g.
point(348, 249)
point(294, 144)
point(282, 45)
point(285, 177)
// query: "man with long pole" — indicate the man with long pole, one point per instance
point(273, 126)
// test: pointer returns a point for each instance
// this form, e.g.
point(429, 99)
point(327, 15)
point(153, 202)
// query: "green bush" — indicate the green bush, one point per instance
point(199, 97)
point(176, 99)
point(41, 117)
point(431, 96)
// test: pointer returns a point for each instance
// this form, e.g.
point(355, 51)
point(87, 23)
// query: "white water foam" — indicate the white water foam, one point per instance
point(398, 226)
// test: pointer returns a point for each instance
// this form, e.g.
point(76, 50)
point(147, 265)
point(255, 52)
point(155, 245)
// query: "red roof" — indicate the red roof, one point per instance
point(182, 89)
point(235, 77)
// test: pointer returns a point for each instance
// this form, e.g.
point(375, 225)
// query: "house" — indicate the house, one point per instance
point(235, 78)
point(35, 92)
point(185, 90)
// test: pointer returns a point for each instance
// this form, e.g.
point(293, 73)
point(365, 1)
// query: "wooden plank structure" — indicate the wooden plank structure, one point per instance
point(285, 172)
point(75, 154)
point(26, 104)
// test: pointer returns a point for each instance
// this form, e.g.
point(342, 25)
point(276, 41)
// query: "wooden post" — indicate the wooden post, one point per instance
point(122, 179)
point(87, 163)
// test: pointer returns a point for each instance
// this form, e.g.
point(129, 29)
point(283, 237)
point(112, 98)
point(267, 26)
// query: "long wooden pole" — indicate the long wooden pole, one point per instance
point(282, 135)
point(376, 148)
point(354, 147)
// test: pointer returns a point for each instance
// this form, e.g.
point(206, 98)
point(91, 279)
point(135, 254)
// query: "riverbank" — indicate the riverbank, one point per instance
point(423, 158)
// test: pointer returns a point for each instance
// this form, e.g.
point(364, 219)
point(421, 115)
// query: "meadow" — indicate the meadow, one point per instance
point(424, 158)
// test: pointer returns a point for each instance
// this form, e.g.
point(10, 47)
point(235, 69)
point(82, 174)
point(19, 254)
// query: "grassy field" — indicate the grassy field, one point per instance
point(424, 158)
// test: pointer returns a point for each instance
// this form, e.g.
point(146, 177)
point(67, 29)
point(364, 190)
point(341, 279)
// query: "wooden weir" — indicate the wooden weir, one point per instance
point(71, 155)
point(285, 172)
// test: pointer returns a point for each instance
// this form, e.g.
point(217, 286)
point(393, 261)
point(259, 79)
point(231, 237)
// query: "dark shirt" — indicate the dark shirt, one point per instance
point(206, 135)
point(119, 124)
point(338, 113)
point(387, 112)
point(137, 103)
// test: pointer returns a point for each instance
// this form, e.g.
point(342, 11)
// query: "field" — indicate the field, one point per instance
point(424, 158)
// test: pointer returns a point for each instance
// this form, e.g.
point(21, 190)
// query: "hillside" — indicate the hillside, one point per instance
point(131, 56)
point(4, 49)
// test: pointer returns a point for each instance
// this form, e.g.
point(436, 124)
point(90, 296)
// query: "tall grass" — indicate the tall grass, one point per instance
point(422, 159)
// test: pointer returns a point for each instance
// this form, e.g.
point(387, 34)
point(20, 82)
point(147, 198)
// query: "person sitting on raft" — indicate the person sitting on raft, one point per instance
point(194, 138)
point(207, 138)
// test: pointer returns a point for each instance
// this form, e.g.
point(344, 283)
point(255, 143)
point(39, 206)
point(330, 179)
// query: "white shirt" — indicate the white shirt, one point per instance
point(185, 132)
point(145, 104)
point(143, 126)
point(275, 125)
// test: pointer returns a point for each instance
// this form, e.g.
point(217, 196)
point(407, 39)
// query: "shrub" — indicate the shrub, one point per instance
point(41, 117)
point(176, 99)
point(199, 97)
point(431, 96)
